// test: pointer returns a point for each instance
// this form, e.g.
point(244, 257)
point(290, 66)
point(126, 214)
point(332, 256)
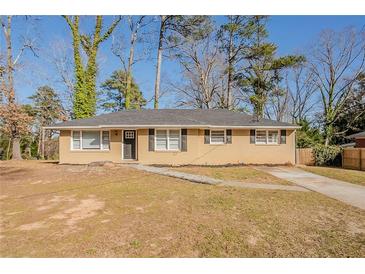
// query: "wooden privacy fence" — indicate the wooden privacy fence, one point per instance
point(353, 158)
point(304, 156)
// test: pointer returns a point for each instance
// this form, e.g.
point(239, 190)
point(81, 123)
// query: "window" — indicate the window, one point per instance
point(217, 136)
point(272, 137)
point(161, 139)
point(174, 139)
point(267, 137)
point(129, 135)
point(167, 139)
point(90, 140)
point(76, 140)
point(260, 136)
point(105, 139)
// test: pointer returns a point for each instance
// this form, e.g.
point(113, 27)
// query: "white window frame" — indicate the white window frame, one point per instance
point(90, 149)
point(101, 140)
point(267, 137)
point(168, 137)
point(217, 143)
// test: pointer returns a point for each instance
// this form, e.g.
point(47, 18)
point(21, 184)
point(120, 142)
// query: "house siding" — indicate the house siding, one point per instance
point(68, 156)
point(241, 151)
point(360, 142)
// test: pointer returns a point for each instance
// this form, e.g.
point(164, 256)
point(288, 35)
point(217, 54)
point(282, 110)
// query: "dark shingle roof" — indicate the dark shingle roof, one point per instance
point(172, 117)
point(357, 135)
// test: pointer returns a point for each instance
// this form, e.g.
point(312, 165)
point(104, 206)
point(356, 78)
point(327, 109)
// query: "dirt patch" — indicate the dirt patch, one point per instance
point(32, 226)
point(355, 228)
point(86, 209)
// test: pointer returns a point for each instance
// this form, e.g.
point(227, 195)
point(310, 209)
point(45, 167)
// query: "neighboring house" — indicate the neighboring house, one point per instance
point(359, 139)
point(176, 137)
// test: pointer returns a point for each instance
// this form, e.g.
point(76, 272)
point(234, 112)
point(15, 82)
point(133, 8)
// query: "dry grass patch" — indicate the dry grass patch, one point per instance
point(347, 175)
point(237, 173)
point(78, 211)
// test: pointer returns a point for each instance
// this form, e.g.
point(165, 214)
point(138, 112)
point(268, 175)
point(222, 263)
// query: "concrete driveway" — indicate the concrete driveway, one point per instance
point(346, 192)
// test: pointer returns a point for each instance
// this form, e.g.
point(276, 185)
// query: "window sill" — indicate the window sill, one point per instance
point(167, 151)
point(217, 144)
point(89, 150)
point(267, 144)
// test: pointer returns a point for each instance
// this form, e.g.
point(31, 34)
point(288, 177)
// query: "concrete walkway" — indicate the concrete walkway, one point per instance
point(212, 181)
point(346, 192)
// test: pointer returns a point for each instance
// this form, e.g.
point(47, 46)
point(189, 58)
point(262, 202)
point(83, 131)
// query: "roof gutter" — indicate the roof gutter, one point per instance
point(170, 126)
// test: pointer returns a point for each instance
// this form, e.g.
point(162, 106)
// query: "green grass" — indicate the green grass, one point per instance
point(347, 175)
point(72, 211)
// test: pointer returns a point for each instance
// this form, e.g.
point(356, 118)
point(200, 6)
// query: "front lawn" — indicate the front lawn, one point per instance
point(50, 210)
point(236, 173)
point(347, 175)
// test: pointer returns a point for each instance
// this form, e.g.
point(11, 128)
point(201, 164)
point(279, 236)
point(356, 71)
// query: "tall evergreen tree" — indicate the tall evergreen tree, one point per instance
point(171, 29)
point(114, 93)
point(233, 38)
point(47, 109)
point(84, 104)
point(262, 71)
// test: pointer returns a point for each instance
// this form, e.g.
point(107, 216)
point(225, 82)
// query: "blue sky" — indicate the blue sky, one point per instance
point(291, 33)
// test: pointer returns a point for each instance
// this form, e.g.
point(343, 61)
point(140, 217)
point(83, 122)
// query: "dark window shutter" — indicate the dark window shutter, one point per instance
point(151, 139)
point(207, 136)
point(283, 136)
point(184, 141)
point(229, 136)
point(252, 136)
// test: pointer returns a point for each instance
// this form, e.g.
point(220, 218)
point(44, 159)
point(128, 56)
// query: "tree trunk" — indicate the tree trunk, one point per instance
point(11, 93)
point(129, 71)
point(230, 73)
point(328, 134)
point(159, 61)
point(17, 155)
point(8, 150)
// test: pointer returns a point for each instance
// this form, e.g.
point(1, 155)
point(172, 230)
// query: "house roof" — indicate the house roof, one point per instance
point(356, 135)
point(190, 118)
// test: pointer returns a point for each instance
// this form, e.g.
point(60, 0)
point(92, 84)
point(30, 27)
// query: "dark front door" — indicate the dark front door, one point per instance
point(129, 144)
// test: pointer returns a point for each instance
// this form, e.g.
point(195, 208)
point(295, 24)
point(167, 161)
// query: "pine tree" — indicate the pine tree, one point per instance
point(172, 29)
point(47, 109)
point(114, 92)
point(262, 72)
point(233, 38)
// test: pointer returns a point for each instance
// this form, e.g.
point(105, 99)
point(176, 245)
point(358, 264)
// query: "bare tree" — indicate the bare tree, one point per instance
point(301, 87)
point(203, 71)
point(135, 24)
point(61, 59)
point(277, 106)
point(172, 29)
point(14, 120)
point(337, 60)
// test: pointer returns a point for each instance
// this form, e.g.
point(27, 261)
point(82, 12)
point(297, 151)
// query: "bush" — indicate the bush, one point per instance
point(327, 155)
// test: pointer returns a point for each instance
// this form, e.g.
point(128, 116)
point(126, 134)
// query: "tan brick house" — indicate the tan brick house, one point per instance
point(176, 137)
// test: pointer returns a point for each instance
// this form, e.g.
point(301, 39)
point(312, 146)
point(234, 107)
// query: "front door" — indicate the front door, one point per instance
point(129, 145)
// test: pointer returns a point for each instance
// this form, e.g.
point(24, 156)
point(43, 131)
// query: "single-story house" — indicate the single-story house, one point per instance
point(176, 137)
point(359, 139)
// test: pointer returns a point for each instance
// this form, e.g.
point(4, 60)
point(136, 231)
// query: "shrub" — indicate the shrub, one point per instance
point(326, 155)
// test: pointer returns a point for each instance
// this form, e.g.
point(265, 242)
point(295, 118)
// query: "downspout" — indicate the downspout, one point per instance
point(295, 146)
